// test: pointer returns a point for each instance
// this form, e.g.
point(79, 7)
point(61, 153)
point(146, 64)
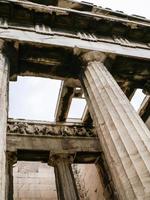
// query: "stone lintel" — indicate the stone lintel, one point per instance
point(59, 137)
point(31, 37)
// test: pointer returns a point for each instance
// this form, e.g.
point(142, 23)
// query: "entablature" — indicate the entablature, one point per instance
point(60, 63)
point(34, 141)
point(40, 128)
point(29, 58)
point(79, 23)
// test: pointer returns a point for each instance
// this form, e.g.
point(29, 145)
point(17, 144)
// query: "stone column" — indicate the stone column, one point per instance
point(65, 182)
point(4, 65)
point(11, 160)
point(124, 138)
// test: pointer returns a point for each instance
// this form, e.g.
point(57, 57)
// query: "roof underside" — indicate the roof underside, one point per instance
point(42, 40)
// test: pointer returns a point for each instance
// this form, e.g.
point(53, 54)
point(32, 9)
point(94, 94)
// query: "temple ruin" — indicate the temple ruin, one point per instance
point(100, 53)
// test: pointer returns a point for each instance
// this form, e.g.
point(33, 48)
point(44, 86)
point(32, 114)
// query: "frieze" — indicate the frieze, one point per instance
point(36, 129)
point(47, 30)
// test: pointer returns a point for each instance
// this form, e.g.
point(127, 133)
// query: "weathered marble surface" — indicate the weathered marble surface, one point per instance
point(65, 182)
point(32, 128)
point(124, 138)
point(34, 181)
point(57, 137)
point(4, 65)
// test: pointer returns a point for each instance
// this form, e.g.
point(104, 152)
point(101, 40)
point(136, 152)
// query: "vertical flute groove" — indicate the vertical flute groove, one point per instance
point(123, 136)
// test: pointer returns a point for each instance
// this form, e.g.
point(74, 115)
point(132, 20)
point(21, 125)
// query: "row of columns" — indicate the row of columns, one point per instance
point(65, 182)
point(64, 177)
point(124, 138)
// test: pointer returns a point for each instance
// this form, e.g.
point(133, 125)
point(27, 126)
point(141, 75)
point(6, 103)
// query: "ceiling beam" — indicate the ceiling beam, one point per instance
point(31, 37)
point(64, 101)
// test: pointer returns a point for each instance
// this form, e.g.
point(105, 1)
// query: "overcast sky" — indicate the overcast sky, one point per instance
point(139, 7)
point(36, 98)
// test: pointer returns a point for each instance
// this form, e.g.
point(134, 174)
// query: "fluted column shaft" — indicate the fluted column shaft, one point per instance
point(11, 160)
point(123, 136)
point(65, 182)
point(3, 117)
point(9, 182)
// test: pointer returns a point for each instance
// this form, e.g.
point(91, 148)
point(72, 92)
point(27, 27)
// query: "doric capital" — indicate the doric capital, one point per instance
point(92, 56)
point(11, 157)
point(146, 88)
point(87, 57)
point(57, 158)
point(2, 42)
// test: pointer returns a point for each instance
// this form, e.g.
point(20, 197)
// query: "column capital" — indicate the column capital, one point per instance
point(56, 158)
point(3, 46)
point(65, 183)
point(146, 88)
point(11, 157)
point(90, 56)
point(2, 42)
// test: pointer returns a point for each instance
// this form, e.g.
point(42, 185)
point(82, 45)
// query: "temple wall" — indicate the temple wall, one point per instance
point(88, 181)
point(34, 181)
